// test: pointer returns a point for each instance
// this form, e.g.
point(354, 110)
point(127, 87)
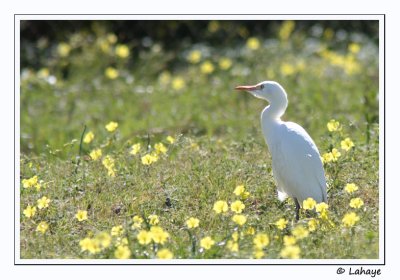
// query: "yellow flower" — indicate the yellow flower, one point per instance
point(29, 211)
point(350, 188)
point(194, 56)
point(81, 215)
point(232, 246)
point(178, 83)
point(309, 204)
point(104, 239)
point(321, 207)
point(111, 126)
point(111, 73)
point(165, 254)
point(144, 237)
point(121, 241)
point(289, 240)
point(207, 242)
point(335, 154)
point(346, 144)
point(253, 43)
point(291, 252)
point(117, 230)
point(122, 51)
point(63, 49)
point(300, 232)
point(258, 254)
point(122, 252)
point(160, 148)
point(207, 67)
point(225, 63)
point(220, 206)
point(239, 219)
point(281, 223)
point(287, 69)
point(354, 48)
point(235, 236)
point(327, 157)
point(95, 154)
point(148, 159)
point(241, 191)
point(88, 137)
point(85, 244)
point(137, 222)
point(153, 220)
point(135, 149)
point(237, 206)
point(42, 227)
point(356, 202)
point(192, 223)
point(350, 219)
point(109, 163)
point(171, 139)
point(312, 225)
point(158, 234)
point(333, 125)
point(286, 29)
point(31, 182)
point(260, 241)
point(250, 231)
point(43, 202)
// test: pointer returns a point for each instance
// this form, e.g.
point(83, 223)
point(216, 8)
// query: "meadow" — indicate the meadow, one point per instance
point(145, 152)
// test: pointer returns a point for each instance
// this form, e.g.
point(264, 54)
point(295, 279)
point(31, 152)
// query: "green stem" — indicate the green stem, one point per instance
point(80, 150)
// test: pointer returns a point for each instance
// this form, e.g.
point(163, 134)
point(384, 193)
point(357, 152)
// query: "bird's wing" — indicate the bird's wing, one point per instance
point(297, 164)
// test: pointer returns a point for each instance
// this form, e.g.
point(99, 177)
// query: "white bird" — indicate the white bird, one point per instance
point(296, 162)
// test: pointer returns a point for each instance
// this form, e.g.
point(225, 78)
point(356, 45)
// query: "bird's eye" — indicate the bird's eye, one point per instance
point(262, 86)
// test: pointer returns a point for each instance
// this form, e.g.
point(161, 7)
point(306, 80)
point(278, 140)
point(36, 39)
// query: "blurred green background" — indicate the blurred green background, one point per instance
point(170, 77)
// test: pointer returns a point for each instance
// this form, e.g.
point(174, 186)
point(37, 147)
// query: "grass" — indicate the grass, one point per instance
point(218, 146)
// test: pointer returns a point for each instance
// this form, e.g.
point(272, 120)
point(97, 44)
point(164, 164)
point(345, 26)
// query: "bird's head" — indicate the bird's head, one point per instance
point(268, 90)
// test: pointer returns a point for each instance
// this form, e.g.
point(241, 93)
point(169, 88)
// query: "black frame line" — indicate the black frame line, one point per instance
point(224, 264)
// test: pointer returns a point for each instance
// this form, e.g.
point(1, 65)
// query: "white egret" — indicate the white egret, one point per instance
point(296, 162)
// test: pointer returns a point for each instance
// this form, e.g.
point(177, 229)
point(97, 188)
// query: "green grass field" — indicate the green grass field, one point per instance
point(212, 143)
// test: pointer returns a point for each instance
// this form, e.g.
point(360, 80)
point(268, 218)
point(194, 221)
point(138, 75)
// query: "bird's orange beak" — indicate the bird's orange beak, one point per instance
point(247, 88)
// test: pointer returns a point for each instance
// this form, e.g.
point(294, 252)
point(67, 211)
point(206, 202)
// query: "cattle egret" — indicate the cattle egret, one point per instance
point(296, 162)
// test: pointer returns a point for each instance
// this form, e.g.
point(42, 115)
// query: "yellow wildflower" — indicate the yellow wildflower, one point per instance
point(122, 51)
point(312, 225)
point(158, 234)
point(335, 154)
point(194, 56)
point(31, 182)
point(121, 241)
point(192, 222)
point(327, 157)
point(144, 237)
point(95, 154)
point(356, 202)
point(63, 49)
point(43, 202)
point(137, 222)
point(354, 48)
point(81, 215)
point(346, 144)
point(160, 148)
point(250, 231)
point(237, 206)
point(178, 83)
point(153, 220)
point(42, 227)
point(117, 230)
point(241, 191)
point(350, 188)
point(207, 242)
point(333, 125)
point(321, 207)
point(291, 252)
point(239, 219)
point(253, 43)
point(122, 252)
point(111, 73)
point(171, 139)
point(93, 246)
point(281, 223)
point(165, 254)
point(225, 63)
point(260, 241)
point(104, 239)
point(85, 244)
point(148, 159)
point(258, 254)
point(232, 246)
point(350, 219)
point(309, 204)
point(300, 232)
point(287, 69)
point(286, 29)
point(88, 137)
point(111, 126)
point(289, 240)
point(207, 67)
point(220, 206)
point(135, 149)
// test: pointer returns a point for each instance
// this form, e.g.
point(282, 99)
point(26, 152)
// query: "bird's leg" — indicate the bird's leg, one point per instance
point(297, 209)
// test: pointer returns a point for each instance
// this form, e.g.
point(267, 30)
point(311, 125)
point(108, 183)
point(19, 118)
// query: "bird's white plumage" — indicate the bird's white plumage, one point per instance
point(296, 162)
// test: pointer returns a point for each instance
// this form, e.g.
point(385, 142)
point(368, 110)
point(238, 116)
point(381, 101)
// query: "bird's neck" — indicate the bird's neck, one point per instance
point(273, 112)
